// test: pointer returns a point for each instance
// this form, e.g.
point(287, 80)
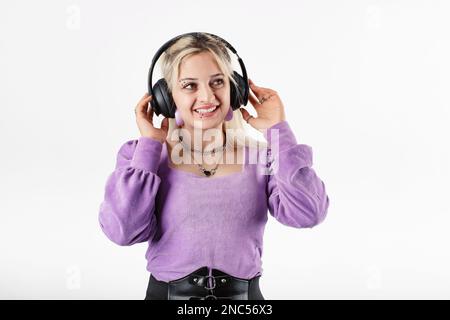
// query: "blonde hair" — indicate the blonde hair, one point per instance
point(189, 45)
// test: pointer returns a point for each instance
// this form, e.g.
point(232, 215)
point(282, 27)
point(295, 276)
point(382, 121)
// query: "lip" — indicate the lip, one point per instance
point(206, 115)
point(206, 106)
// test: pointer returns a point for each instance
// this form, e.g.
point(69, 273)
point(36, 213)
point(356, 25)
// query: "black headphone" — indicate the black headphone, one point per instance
point(162, 101)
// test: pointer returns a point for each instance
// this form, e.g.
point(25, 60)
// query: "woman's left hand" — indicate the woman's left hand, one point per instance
point(268, 106)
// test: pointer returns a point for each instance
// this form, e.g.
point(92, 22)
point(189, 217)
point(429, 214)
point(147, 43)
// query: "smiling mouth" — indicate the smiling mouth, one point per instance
point(206, 111)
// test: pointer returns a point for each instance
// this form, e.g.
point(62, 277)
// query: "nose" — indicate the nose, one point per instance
point(206, 94)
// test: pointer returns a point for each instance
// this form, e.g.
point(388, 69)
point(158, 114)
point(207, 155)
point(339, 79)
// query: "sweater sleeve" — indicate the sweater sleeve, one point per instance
point(127, 212)
point(296, 195)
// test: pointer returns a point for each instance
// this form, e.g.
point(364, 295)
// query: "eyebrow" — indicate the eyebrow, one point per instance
point(214, 75)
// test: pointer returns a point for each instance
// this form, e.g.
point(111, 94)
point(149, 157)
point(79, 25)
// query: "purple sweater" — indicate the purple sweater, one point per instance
point(191, 221)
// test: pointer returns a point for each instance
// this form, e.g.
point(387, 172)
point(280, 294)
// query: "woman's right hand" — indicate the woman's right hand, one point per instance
point(144, 120)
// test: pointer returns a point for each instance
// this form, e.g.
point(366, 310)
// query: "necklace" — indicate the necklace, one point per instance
point(213, 151)
point(206, 172)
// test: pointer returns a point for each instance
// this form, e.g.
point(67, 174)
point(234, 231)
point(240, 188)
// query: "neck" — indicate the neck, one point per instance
point(204, 140)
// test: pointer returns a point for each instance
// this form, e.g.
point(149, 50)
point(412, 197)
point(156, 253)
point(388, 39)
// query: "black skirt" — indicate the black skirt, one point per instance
point(200, 285)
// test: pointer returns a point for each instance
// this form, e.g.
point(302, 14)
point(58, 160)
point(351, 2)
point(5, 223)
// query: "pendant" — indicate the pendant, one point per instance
point(207, 173)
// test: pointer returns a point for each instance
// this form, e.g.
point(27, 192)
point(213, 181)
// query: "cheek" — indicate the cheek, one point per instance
point(183, 103)
point(225, 97)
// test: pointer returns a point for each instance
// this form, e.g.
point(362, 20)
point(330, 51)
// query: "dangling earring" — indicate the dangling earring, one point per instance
point(178, 119)
point(229, 115)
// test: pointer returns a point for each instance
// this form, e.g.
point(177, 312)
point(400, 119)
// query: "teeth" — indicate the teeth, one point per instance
point(206, 110)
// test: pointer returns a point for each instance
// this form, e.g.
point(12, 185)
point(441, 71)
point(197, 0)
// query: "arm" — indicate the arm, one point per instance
point(296, 195)
point(127, 211)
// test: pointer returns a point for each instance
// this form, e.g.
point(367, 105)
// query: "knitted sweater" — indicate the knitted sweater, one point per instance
point(190, 221)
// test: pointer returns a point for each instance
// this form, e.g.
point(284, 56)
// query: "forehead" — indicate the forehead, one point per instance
point(199, 65)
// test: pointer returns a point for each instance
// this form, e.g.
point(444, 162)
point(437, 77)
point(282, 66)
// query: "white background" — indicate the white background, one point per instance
point(365, 83)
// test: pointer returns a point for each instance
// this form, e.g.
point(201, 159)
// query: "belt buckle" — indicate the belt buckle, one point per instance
point(207, 283)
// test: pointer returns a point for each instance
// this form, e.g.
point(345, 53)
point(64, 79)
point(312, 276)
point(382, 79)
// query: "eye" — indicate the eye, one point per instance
point(217, 82)
point(188, 84)
point(220, 81)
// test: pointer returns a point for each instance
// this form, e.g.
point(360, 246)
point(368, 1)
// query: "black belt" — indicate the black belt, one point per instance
point(200, 285)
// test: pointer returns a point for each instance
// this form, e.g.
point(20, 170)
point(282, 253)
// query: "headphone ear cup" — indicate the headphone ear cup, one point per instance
point(162, 102)
point(239, 95)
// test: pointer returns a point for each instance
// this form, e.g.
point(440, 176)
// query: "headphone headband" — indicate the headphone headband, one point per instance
point(195, 34)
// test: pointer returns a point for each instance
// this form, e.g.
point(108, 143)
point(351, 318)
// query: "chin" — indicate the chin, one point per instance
point(209, 120)
point(199, 124)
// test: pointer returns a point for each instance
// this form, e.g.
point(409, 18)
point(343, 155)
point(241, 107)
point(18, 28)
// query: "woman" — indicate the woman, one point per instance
point(202, 214)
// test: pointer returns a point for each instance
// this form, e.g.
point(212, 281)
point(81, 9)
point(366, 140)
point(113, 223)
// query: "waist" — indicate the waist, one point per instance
point(205, 284)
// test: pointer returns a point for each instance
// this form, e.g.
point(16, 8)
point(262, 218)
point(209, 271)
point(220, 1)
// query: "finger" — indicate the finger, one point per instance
point(255, 88)
point(141, 110)
point(260, 91)
point(252, 85)
point(265, 95)
point(244, 113)
point(165, 124)
point(247, 117)
point(254, 101)
point(150, 114)
point(142, 104)
point(146, 97)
